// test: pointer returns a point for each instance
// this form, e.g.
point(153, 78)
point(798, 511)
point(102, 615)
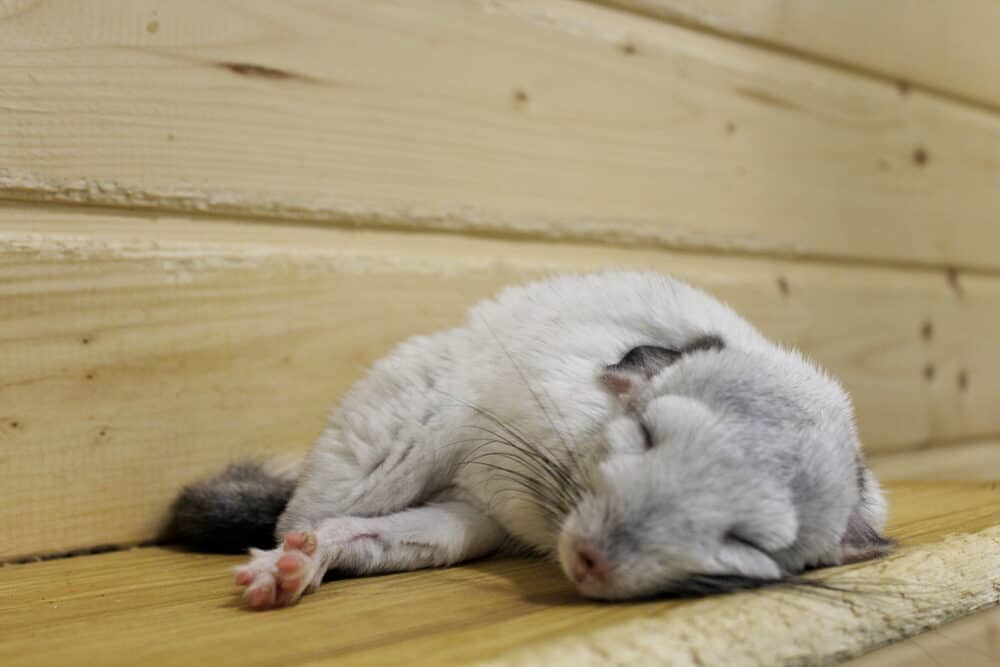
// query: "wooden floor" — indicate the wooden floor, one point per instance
point(160, 606)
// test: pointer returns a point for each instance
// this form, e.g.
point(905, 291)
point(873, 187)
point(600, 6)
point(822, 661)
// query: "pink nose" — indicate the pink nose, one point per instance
point(589, 565)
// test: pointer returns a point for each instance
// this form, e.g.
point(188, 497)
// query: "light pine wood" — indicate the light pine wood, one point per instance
point(950, 47)
point(140, 352)
point(972, 461)
point(156, 606)
point(214, 300)
point(547, 118)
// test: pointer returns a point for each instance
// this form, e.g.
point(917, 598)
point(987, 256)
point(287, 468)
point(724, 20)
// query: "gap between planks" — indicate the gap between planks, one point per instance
point(232, 321)
point(475, 228)
point(680, 20)
point(691, 117)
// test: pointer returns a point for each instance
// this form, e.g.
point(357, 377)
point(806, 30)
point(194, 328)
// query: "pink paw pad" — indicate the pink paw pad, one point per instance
point(291, 568)
point(244, 578)
point(261, 597)
point(279, 577)
point(300, 540)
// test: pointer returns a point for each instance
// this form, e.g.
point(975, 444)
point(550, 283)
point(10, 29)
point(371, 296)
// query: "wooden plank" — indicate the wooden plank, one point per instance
point(547, 118)
point(971, 642)
point(250, 332)
point(949, 47)
point(972, 461)
point(138, 352)
point(163, 607)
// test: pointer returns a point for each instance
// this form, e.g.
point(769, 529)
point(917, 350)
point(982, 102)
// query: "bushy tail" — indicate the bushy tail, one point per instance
point(235, 510)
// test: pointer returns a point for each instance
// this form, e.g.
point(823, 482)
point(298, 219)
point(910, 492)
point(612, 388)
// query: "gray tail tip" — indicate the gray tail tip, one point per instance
point(230, 512)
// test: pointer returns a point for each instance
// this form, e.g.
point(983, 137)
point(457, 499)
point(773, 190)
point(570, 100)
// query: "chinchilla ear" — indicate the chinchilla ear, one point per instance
point(622, 384)
point(629, 375)
point(862, 542)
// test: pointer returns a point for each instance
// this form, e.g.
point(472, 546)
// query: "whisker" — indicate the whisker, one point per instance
point(541, 405)
point(569, 472)
point(549, 464)
point(545, 487)
point(529, 484)
point(516, 435)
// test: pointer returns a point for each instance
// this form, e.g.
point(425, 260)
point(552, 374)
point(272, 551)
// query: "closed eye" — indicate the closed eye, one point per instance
point(647, 436)
point(733, 536)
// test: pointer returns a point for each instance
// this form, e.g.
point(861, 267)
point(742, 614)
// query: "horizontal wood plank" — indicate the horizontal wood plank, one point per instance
point(547, 118)
point(950, 47)
point(967, 461)
point(171, 608)
point(141, 351)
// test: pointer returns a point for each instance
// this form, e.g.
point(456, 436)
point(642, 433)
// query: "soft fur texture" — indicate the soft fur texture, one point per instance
point(231, 512)
point(625, 423)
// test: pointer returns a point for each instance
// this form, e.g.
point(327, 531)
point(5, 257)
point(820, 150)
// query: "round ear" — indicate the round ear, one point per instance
point(622, 384)
point(632, 373)
point(863, 539)
point(862, 542)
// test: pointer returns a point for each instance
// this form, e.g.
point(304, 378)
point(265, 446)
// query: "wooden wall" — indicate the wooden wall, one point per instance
point(214, 215)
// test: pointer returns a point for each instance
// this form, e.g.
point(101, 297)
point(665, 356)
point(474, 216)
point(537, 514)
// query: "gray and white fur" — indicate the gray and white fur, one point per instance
point(626, 424)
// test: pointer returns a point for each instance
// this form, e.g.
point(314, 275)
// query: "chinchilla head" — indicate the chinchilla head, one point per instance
point(726, 465)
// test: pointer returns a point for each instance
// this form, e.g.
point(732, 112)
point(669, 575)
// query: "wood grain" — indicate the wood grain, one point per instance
point(163, 607)
point(966, 461)
point(139, 352)
point(476, 116)
point(948, 47)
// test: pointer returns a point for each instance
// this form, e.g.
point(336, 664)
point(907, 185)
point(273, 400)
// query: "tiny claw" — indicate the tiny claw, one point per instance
point(300, 540)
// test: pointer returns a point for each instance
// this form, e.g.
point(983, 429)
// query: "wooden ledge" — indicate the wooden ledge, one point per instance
point(159, 606)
